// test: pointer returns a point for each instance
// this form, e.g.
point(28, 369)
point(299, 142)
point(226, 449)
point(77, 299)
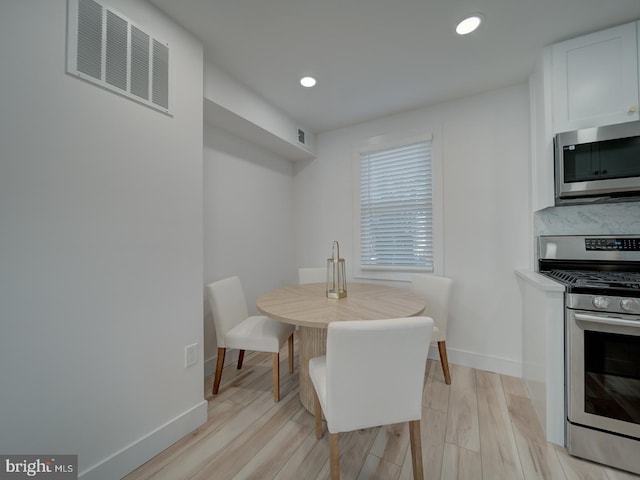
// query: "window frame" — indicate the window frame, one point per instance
point(385, 141)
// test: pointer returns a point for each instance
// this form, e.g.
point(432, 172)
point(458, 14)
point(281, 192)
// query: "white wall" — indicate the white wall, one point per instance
point(487, 227)
point(248, 212)
point(100, 250)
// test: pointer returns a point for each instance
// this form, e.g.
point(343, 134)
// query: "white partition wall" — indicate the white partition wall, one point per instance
point(248, 204)
point(101, 250)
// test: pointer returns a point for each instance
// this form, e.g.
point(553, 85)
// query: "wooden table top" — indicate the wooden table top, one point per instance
point(307, 305)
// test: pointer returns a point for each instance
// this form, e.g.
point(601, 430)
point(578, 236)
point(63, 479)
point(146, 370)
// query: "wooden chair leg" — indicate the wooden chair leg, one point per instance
point(275, 360)
point(442, 348)
point(219, 366)
point(334, 456)
point(416, 449)
point(291, 354)
point(318, 414)
point(240, 358)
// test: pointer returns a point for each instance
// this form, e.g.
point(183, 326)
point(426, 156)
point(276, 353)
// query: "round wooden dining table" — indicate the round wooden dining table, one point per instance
point(308, 307)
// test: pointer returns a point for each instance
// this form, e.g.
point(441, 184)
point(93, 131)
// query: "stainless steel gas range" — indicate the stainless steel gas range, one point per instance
point(602, 343)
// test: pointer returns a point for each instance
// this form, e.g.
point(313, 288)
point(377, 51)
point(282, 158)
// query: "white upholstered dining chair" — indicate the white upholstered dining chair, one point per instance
point(436, 292)
point(236, 329)
point(312, 275)
point(357, 383)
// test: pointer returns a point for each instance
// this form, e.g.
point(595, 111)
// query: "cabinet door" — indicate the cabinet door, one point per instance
point(595, 79)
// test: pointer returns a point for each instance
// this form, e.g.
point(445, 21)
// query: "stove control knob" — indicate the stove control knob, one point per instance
point(601, 302)
point(630, 305)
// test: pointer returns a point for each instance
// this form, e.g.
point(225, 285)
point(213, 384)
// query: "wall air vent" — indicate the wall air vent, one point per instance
point(105, 48)
point(301, 137)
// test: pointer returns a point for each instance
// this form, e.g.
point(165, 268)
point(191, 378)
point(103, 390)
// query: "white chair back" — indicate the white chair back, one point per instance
point(312, 275)
point(228, 306)
point(375, 372)
point(436, 292)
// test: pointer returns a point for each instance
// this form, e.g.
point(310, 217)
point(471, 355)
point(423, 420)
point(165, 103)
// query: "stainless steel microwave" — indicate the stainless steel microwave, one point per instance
point(596, 165)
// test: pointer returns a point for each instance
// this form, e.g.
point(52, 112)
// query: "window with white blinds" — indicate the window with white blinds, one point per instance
point(396, 207)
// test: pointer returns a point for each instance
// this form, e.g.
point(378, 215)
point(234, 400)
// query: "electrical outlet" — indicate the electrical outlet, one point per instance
point(190, 355)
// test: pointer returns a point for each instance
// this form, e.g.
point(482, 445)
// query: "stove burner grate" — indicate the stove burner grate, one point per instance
point(597, 279)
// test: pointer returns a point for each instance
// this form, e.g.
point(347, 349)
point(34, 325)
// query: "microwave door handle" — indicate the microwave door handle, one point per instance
point(583, 318)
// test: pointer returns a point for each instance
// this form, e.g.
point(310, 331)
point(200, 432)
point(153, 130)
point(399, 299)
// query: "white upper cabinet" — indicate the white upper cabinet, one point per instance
point(595, 79)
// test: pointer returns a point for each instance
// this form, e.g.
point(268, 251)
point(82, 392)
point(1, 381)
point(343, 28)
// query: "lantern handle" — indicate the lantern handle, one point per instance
point(335, 246)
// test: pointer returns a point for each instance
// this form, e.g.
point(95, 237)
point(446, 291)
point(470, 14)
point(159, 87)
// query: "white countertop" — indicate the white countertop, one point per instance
point(540, 281)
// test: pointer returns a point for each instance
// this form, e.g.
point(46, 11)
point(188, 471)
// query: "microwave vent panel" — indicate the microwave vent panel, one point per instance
point(107, 49)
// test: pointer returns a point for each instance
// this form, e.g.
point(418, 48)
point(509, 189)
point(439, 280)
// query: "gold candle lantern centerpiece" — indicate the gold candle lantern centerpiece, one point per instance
point(336, 278)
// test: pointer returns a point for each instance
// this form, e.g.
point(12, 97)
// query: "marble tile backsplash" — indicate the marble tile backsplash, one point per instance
point(604, 219)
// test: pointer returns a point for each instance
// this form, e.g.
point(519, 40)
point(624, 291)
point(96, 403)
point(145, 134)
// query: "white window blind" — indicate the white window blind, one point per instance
point(396, 208)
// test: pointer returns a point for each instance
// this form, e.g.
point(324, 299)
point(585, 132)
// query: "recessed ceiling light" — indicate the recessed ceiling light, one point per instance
point(469, 24)
point(307, 81)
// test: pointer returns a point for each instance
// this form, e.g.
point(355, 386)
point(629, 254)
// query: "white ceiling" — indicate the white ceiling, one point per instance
point(376, 57)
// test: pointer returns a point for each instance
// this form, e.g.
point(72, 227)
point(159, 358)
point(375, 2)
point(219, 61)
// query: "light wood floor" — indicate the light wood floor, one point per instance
point(482, 426)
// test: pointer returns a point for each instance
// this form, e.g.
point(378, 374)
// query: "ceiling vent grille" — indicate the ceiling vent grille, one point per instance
point(105, 48)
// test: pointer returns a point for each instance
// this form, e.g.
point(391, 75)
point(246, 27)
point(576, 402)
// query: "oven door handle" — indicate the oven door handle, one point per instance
point(581, 317)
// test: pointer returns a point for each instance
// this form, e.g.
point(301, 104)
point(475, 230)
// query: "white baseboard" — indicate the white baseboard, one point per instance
point(142, 450)
point(489, 363)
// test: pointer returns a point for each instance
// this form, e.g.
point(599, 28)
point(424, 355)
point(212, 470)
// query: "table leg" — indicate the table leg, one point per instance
point(312, 342)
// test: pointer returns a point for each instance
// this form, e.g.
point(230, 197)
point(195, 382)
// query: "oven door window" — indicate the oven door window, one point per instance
point(612, 375)
point(602, 160)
